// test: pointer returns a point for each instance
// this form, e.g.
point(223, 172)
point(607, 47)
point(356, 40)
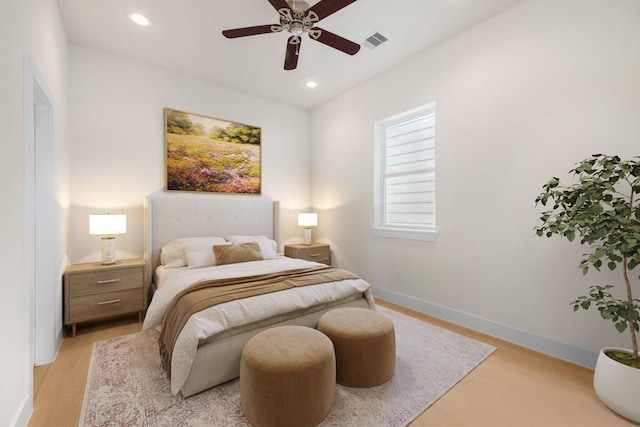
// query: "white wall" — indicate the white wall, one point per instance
point(31, 27)
point(117, 143)
point(520, 98)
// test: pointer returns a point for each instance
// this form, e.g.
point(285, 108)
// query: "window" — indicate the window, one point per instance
point(404, 186)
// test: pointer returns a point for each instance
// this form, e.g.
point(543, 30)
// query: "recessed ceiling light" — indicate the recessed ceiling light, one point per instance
point(139, 19)
point(311, 84)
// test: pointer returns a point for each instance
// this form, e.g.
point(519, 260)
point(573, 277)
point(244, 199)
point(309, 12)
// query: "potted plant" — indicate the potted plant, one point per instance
point(602, 209)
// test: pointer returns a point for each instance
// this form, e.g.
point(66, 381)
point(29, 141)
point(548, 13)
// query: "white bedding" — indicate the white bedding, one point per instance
point(217, 319)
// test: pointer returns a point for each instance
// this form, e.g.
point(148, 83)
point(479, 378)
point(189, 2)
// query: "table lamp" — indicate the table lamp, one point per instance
point(307, 220)
point(108, 225)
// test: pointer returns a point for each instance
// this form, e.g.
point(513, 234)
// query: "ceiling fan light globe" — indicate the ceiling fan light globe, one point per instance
point(296, 28)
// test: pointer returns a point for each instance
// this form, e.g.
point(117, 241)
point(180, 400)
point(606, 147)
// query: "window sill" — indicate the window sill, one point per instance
point(396, 233)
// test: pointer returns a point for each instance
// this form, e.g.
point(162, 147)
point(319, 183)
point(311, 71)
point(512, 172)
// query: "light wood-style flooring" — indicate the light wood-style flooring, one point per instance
point(513, 387)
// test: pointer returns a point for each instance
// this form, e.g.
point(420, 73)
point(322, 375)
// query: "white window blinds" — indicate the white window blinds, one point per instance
point(406, 171)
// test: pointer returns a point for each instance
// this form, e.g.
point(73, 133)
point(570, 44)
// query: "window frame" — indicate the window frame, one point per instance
point(380, 228)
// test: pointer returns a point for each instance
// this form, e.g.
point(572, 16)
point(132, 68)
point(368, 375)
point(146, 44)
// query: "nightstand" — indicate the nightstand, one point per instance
point(319, 252)
point(93, 291)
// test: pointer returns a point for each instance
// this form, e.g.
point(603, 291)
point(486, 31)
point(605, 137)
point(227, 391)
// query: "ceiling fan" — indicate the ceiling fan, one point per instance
point(297, 18)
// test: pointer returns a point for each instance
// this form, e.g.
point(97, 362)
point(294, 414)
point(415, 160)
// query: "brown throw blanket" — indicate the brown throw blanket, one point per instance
point(208, 293)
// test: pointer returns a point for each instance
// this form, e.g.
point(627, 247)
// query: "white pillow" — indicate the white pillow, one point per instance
point(268, 247)
point(174, 253)
point(202, 257)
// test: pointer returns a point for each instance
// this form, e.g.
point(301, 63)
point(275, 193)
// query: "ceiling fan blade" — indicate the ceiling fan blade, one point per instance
point(335, 41)
point(279, 4)
point(251, 31)
point(291, 56)
point(325, 8)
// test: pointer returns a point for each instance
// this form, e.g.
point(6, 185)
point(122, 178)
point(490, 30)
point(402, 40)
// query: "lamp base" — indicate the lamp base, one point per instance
point(108, 250)
point(307, 235)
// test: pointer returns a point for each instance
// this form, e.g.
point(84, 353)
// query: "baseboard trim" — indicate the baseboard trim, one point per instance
point(23, 414)
point(59, 339)
point(513, 335)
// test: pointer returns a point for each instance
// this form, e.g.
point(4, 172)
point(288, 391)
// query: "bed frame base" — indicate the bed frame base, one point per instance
point(225, 354)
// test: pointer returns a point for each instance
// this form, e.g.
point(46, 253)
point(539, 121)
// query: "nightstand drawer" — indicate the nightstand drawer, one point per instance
point(105, 304)
point(317, 252)
point(104, 281)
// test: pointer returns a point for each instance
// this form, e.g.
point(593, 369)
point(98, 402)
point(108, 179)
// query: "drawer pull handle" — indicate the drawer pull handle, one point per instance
point(103, 282)
point(315, 255)
point(113, 301)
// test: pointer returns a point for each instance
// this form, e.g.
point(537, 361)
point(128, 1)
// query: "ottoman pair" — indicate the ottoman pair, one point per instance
point(288, 373)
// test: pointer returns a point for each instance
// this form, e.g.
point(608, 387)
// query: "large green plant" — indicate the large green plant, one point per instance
point(603, 210)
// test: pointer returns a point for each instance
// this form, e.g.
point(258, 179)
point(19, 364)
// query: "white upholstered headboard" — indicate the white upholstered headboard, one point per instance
point(168, 218)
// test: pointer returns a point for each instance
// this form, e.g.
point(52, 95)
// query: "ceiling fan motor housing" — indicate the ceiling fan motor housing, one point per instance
point(298, 6)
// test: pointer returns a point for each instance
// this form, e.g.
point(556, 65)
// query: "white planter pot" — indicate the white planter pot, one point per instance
point(617, 385)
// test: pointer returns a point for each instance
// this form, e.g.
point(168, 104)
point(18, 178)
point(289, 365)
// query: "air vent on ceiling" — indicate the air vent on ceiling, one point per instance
point(374, 40)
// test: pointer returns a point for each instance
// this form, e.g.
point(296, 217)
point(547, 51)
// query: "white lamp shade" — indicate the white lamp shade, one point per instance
point(307, 219)
point(107, 224)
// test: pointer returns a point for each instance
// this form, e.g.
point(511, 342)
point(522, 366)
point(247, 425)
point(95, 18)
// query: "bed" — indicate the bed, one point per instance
point(207, 350)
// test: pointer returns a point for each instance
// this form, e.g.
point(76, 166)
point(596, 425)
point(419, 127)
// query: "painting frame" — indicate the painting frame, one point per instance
point(211, 155)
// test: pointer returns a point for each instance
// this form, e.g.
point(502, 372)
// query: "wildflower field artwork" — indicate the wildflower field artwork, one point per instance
point(211, 155)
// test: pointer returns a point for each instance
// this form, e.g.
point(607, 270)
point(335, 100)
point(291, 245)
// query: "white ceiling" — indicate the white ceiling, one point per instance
point(185, 37)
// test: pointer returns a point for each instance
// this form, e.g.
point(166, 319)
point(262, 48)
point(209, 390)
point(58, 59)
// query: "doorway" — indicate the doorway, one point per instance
point(40, 219)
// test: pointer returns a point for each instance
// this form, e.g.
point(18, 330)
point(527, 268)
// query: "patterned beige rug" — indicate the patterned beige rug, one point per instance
point(126, 385)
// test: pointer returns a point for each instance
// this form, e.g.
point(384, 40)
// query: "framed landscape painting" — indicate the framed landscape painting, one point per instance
point(211, 155)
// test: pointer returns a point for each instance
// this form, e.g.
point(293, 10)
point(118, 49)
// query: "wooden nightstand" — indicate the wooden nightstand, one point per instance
point(318, 252)
point(94, 291)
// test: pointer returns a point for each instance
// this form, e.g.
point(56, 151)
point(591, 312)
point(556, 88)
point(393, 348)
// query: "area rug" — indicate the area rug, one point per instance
point(127, 387)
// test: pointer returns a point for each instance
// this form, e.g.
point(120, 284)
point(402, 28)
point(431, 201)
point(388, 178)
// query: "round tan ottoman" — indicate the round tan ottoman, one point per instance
point(365, 345)
point(287, 377)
